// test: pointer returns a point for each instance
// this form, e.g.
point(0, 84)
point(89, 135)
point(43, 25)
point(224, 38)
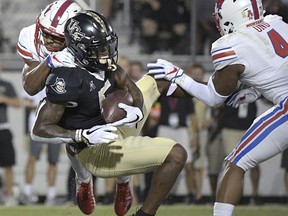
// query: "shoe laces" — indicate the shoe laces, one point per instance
point(122, 192)
point(86, 191)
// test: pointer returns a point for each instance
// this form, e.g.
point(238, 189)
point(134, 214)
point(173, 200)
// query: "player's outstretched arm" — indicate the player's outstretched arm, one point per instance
point(220, 85)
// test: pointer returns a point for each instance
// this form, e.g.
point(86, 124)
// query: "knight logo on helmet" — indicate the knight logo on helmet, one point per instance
point(92, 40)
point(75, 30)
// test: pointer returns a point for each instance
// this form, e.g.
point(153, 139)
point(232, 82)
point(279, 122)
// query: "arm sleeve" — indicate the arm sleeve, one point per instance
point(203, 92)
point(223, 54)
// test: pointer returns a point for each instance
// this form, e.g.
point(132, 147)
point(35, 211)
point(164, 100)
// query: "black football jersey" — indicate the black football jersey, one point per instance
point(84, 92)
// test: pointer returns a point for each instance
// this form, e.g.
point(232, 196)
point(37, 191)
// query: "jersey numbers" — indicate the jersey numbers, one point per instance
point(279, 44)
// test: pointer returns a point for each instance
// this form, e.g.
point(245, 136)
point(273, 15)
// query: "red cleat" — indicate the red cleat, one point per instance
point(123, 199)
point(85, 197)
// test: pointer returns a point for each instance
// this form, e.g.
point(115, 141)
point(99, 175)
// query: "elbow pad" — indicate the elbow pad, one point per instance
point(205, 93)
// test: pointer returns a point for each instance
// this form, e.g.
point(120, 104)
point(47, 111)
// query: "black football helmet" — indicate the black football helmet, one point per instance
point(92, 40)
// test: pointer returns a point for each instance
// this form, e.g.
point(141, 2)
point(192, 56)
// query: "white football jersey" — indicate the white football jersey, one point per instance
point(26, 47)
point(262, 49)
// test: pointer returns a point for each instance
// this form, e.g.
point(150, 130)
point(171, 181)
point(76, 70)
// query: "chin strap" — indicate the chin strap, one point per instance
point(113, 67)
point(107, 63)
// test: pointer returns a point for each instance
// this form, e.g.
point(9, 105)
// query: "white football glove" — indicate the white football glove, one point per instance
point(248, 95)
point(163, 69)
point(96, 135)
point(133, 115)
point(60, 59)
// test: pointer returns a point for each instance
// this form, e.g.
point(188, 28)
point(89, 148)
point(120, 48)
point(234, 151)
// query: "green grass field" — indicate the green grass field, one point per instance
point(175, 210)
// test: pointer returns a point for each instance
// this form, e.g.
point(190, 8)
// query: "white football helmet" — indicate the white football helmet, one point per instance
point(52, 20)
point(230, 15)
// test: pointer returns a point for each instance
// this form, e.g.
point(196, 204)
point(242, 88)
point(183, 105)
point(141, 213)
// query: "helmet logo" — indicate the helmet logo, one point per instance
point(98, 20)
point(75, 30)
point(247, 13)
point(59, 86)
point(250, 14)
point(48, 9)
point(219, 4)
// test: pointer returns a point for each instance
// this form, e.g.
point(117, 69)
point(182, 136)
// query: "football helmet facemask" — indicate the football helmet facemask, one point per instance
point(230, 15)
point(92, 40)
point(50, 24)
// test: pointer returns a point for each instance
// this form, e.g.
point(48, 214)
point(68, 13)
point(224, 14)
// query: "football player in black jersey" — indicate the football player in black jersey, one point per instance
point(71, 113)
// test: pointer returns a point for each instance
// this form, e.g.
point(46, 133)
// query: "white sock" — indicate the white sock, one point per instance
point(223, 209)
point(123, 179)
point(27, 189)
point(51, 194)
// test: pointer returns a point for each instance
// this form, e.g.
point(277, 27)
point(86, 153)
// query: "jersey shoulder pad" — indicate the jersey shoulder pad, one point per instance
point(63, 84)
point(223, 53)
point(25, 46)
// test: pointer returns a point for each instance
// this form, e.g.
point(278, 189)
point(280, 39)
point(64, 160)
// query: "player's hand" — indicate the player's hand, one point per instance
point(62, 58)
point(248, 95)
point(96, 135)
point(163, 69)
point(133, 115)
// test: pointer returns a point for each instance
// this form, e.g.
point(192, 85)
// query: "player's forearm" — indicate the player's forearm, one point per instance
point(34, 79)
point(204, 92)
point(53, 134)
point(136, 95)
point(138, 101)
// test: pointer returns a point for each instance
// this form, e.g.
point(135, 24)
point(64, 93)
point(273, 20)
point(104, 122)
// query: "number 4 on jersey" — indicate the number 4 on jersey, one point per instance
point(279, 44)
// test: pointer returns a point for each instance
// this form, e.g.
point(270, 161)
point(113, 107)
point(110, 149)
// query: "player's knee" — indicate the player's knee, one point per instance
point(233, 168)
point(178, 155)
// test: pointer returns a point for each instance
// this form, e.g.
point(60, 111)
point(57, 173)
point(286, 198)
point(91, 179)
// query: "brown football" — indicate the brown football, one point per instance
point(110, 110)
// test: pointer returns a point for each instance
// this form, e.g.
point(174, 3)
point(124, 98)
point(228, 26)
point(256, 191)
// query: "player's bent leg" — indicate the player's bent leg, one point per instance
point(229, 190)
point(84, 184)
point(134, 155)
point(164, 178)
point(231, 185)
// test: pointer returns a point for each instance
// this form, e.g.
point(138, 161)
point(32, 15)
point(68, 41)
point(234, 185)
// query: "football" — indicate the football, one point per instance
point(110, 110)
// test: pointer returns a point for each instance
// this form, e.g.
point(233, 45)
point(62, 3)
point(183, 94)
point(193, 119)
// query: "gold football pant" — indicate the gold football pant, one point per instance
point(131, 154)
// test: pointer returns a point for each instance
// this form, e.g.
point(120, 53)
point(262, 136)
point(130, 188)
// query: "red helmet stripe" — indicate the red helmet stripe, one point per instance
point(255, 9)
point(60, 12)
